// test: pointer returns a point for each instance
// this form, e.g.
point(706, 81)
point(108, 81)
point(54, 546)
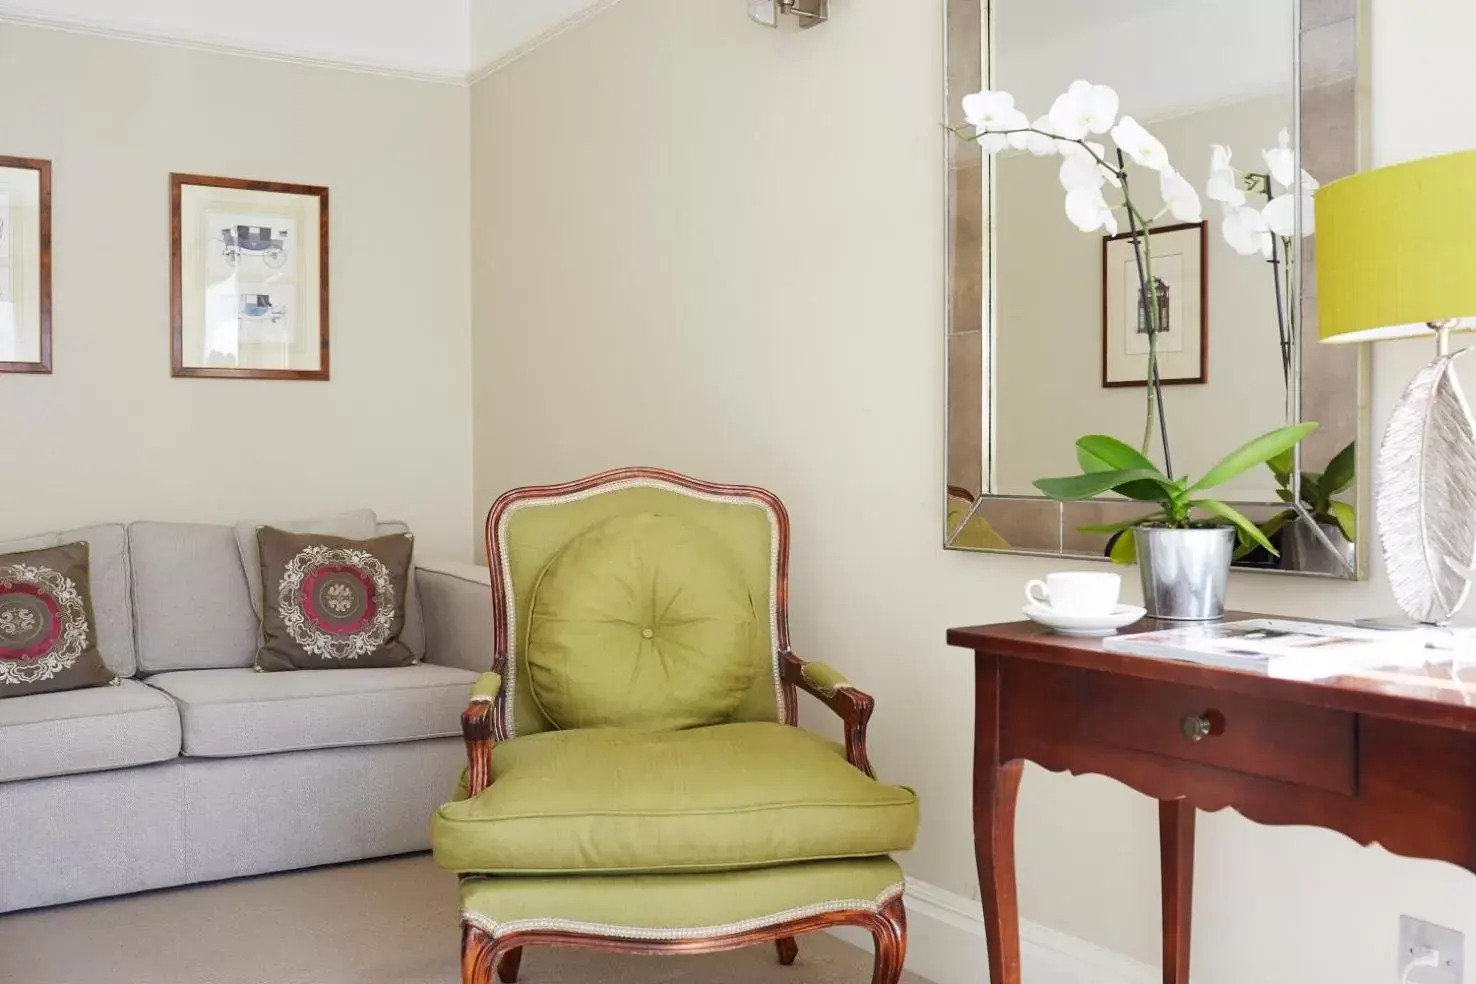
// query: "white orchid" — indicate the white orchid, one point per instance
point(1224, 184)
point(1041, 143)
point(1246, 231)
point(1089, 211)
point(1084, 109)
point(1143, 147)
point(1180, 197)
point(1281, 161)
point(991, 112)
point(1281, 215)
point(1082, 166)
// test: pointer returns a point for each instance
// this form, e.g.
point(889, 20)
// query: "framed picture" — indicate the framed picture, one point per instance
point(1182, 298)
point(249, 278)
point(25, 265)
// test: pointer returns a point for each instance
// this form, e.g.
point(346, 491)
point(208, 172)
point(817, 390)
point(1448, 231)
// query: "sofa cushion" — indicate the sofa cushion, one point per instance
point(229, 713)
point(333, 603)
point(110, 576)
point(86, 731)
point(641, 622)
point(359, 524)
point(413, 635)
point(192, 606)
point(48, 634)
point(722, 798)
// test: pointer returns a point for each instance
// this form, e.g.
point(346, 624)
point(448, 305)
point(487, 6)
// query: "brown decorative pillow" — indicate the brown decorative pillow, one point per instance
point(48, 637)
point(332, 603)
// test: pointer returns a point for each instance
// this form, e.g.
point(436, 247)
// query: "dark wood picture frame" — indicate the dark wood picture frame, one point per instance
point(1204, 275)
point(43, 169)
point(177, 183)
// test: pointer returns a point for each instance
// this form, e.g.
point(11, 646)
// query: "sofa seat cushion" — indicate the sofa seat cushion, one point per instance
point(235, 712)
point(728, 797)
point(87, 730)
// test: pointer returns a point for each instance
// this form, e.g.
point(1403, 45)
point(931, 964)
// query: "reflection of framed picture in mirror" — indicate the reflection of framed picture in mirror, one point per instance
point(25, 265)
point(249, 278)
point(1182, 296)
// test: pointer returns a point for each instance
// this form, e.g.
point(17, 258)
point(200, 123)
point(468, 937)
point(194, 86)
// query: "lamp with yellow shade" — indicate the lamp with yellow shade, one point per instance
point(1396, 258)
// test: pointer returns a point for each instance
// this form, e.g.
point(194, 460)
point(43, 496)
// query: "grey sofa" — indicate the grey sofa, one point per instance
point(197, 768)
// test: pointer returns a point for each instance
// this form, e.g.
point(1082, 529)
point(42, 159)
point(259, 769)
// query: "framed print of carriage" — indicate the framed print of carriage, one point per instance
point(25, 265)
point(249, 278)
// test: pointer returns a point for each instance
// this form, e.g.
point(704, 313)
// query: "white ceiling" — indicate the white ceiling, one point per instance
point(441, 39)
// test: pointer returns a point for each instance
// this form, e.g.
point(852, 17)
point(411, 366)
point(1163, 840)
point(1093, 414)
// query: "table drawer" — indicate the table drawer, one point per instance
point(1310, 746)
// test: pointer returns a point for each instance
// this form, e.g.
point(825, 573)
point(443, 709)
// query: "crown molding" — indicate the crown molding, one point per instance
point(18, 14)
point(527, 47)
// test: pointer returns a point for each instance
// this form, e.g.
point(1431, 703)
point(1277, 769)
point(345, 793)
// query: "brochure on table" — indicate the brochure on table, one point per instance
point(1295, 650)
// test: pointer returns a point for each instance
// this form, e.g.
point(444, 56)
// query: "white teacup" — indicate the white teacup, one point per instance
point(1076, 592)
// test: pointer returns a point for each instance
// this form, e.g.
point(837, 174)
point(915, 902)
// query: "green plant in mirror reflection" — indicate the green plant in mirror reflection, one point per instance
point(1318, 489)
point(1109, 465)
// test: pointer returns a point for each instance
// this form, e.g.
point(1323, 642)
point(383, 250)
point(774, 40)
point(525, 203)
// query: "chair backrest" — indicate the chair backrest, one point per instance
point(528, 528)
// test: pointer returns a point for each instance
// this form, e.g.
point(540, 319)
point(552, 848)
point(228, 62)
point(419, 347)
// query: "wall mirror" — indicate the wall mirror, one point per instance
point(1045, 339)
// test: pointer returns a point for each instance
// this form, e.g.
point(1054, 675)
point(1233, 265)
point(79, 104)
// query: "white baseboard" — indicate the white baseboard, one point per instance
point(946, 945)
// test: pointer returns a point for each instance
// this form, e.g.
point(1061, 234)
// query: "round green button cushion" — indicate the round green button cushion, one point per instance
point(641, 622)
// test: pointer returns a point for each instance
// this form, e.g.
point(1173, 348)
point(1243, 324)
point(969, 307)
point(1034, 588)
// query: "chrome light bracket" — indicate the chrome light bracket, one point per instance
point(809, 12)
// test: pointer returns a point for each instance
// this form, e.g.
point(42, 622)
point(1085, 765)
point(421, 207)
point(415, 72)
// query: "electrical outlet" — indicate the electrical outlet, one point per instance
point(1417, 937)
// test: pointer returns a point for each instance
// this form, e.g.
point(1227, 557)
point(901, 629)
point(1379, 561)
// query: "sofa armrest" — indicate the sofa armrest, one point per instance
point(830, 688)
point(457, 603)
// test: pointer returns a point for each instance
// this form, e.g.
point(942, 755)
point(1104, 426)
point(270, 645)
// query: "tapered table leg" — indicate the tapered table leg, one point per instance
point(996, 785)
point(1176, 869)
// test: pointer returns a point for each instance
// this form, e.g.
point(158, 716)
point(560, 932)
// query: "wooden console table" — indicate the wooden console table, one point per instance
point(1382, 756)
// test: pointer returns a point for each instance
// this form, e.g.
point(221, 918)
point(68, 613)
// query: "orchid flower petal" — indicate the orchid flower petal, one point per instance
point(1224, 184)
point(1144, 148)
point(1180, 197)
point(1281, 162)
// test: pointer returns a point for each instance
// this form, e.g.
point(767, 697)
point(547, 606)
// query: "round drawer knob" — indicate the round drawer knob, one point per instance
point(1196, 727)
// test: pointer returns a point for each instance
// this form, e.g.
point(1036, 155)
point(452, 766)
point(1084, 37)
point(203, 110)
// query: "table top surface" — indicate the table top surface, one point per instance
point(1438, 689)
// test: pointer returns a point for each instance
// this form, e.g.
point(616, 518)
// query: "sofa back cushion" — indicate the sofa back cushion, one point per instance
point(112, 605)
point(190, 597)
point(642, 622)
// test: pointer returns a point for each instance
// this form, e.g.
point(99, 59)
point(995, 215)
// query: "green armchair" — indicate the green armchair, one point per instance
point(636, 780)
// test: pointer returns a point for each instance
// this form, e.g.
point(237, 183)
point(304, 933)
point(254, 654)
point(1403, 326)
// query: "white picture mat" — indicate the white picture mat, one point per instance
point(215, 331)
point(20, 264)
point(1178, 261)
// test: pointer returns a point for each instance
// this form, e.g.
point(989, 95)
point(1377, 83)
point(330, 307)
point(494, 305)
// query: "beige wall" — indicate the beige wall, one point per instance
point(110, 436)
point(719, 248)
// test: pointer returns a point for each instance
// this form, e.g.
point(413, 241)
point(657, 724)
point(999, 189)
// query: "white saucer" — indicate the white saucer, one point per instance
point(1085, 626)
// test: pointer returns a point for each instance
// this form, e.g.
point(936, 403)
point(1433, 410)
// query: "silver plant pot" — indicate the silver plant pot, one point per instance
point(1185, 572)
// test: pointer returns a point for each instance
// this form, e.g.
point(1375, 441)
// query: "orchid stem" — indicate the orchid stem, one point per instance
point(1148, 297)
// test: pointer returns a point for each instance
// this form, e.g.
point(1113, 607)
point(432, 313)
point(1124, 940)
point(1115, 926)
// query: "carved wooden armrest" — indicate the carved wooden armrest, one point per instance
point(827, 686)
point(476, 729)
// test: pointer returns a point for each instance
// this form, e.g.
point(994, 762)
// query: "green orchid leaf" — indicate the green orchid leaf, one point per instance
point(1243, 524)
point(1346, 518)
point(1312, 488)
point(1125, 549)
point(1126, 524)
point(1284, 495)
point(1270, 527)
point(1098, 452)
point(1256, 452)
point(1092, 484)
point(1281, 466)
point(1340, 471)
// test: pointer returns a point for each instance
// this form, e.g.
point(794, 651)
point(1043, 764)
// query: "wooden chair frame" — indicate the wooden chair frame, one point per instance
point(485, 722)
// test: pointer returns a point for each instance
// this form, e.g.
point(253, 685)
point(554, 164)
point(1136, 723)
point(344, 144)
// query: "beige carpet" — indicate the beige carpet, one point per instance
point(381, 922)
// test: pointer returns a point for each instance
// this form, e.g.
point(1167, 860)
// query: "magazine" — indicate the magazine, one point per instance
point(1289, 649)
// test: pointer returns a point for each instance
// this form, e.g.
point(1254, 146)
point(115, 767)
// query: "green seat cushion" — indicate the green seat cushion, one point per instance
point(674, 906)
point(641, 622)
point(706, 799)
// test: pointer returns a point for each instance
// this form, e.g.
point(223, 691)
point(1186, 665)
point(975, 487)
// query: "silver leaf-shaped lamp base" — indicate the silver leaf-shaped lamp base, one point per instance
point(1425, 502)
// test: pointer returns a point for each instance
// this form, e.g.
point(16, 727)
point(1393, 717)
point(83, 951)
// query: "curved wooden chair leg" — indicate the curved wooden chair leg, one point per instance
point(788, 950)
point(478, 955)
point(507, 967)
point(890, 934)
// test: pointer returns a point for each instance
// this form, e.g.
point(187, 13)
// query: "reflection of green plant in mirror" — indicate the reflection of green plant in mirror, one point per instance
point(1109, 465)
point(1318, 489)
